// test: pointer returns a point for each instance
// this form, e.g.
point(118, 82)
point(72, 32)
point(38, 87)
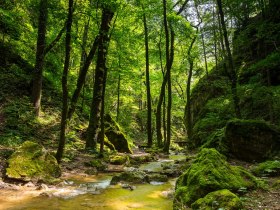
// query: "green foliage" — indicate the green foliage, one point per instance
point(217, 141)
point(218, 200)
point(214, 115)
point(268, 168)
point(210, 172)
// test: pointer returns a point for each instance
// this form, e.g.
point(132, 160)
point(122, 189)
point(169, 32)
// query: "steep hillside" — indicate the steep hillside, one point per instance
point(257, 62)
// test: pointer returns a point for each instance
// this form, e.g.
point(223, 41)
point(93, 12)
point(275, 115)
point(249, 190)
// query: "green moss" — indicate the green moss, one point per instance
point(32, 162)
point(118, 159)
point(268, 168)
point(221, 199)
point(138, 159)
point(210, 172)
point(276, 185)
point(217, 141)
point(115, 135)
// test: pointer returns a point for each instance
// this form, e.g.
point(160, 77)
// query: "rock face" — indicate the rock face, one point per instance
point(209, 172)
point(116, 136)
point(31, 162)
point(221, 199)
point(252, 140)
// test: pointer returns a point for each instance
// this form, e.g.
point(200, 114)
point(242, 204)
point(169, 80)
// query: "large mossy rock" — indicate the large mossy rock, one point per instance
point(252, 140)
point(221, 199)
point(210, 172)
point(116, 136)
point(31, 162)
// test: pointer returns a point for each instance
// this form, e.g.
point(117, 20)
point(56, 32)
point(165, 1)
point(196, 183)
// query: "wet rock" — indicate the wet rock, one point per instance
point(135, 177)
point(210, 172)
point(31, 162)
point(221, 199)
point(128, 186)
point(141, 158)
point(251, 140)
point(157, 178)
point(42, 187)
point(29, 184)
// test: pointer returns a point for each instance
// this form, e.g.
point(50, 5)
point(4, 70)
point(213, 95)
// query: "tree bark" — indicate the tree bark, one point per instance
point(204, 53)
point(41, 45)
point(95, 113)
point(63, 123)
point(188, 116)
point(82, 78)
point(232, 72)
point(169, 59)
point(148, 89)
point(118, 103)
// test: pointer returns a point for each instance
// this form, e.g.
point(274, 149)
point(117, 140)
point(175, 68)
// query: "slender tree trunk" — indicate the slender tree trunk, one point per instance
point(82, 78)
point(188, 114)
point(55, 41)
point(63, 123)
point(118, 103)
point(204, 53)
point(96, 106)
point(149, 102)
point(102, 130)
point(41, 45)
point(168, 75)
point(232, 72)
point(215, 38)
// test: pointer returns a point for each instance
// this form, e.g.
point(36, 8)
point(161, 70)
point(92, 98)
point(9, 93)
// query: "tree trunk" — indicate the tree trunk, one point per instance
point(63, 123)
point(232, 72)
point(95, 113)
point(118, 103)
point(149, 102)
point(204, 53)
point(82, 78)
point(41, 45)
point(215, 38)
point(169, 59)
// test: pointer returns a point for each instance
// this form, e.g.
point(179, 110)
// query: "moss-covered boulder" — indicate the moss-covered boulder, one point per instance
point(252, 140)
point(134, 177)
point(116, 136)
point(31, 162)
point(210, 172)
point(221, 199)
point(118, 159)
point(268, 168)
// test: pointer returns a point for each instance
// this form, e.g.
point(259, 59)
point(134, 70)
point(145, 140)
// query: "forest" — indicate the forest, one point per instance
point(140, 104)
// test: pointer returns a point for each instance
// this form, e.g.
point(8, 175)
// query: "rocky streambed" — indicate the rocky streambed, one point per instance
point(146, 186)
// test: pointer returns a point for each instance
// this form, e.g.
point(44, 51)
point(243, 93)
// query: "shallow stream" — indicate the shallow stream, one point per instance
point(80, 192)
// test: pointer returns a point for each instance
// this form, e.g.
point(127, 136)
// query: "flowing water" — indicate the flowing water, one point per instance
point(80, 192)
